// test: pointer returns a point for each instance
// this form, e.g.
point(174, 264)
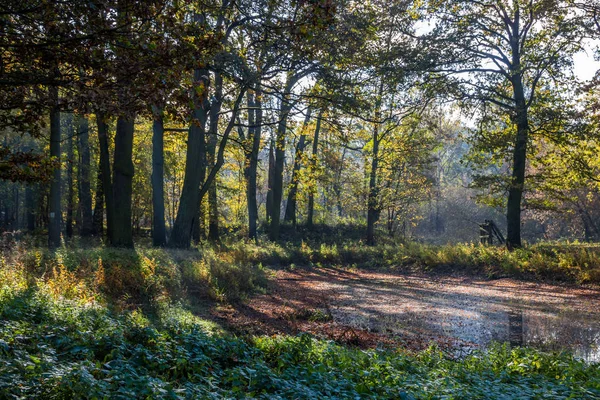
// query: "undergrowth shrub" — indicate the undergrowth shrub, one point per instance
point(227, 275)
point(144, 277)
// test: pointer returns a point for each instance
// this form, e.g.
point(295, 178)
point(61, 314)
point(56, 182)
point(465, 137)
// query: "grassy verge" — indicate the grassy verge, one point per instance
point(572, 263)
point(55, 345)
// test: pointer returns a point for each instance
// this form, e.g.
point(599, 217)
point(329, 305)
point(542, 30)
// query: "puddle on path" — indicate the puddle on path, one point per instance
point(469, 314)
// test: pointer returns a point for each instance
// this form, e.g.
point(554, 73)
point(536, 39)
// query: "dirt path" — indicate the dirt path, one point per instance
point(369, 309)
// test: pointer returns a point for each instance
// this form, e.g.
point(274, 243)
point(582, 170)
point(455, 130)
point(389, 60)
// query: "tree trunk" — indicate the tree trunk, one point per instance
point(84, 187)
point(277, 188)
point(373, 209)
point(313, 190)
point(30, 205)
point(17, 202)
point(213, 206)
point(54, 212)
point(187, 214)
point(251, 165)
point(290, 209)
point(105, 174)
point(372, 200)
point(159, 232)
point(270, 183)
point(70, 187)
point(515, 192)
point(338, 185)
point(98, 216)
point(123, 182)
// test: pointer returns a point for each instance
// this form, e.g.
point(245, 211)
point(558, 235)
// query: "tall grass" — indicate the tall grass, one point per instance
point(145, 277)
point(575, 263)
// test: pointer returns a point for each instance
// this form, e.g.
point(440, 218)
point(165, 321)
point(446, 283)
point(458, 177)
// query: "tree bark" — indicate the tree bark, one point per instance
point(159, 232)
point(373, 209)
point(338, 185)
point(123, 171)
point(313, 190)
point(277, 188)
point(54, 209)
point(98, 216)
point(213, 206)
point(372, 199)
point(290, 208)
point(270, 181)
point(70, 187)
point(84, 186)
point(251, 165)
point(515, 192)
point(30, 206)
point(189, 204)
point(106, 176)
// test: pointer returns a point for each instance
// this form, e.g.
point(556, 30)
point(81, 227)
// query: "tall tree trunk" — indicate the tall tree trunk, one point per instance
point(187, 214)
point(54, 214)
point(17, 202)
point(313, 161)
point(123, 182)
point(98, 216)
point(84, 186)
point(270, 181)
point(70, 187)
point(30, 205)
point(107, 186)
point(290, 209)
point(159, 232)
point(338, 185)
point(277, 188)
point(372, 199)
point(515, 192)
point(373, 209)
point(251, 165)
point(213, 206)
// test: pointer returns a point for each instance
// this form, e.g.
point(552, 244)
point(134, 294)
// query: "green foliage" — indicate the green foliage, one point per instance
point(58, 348)
point(130, 278)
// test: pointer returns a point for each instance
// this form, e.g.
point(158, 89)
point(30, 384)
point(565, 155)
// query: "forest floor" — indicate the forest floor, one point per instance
point(105, 323)
point(369, 309)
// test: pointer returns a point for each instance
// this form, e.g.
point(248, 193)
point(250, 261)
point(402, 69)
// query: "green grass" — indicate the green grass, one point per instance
point(52, 347)
point(574, 263)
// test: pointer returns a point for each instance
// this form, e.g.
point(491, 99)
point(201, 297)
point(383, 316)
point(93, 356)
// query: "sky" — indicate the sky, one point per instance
point(585, 65)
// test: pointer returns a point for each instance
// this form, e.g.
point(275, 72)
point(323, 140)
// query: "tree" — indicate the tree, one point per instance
point(313, 164)
point(499, 52)
point(54, 210)
point(70, 137)
point(290, 209)
point(159, 232)
point(84, 176)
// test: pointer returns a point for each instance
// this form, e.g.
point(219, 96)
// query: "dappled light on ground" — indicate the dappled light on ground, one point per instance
point(459, 314)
